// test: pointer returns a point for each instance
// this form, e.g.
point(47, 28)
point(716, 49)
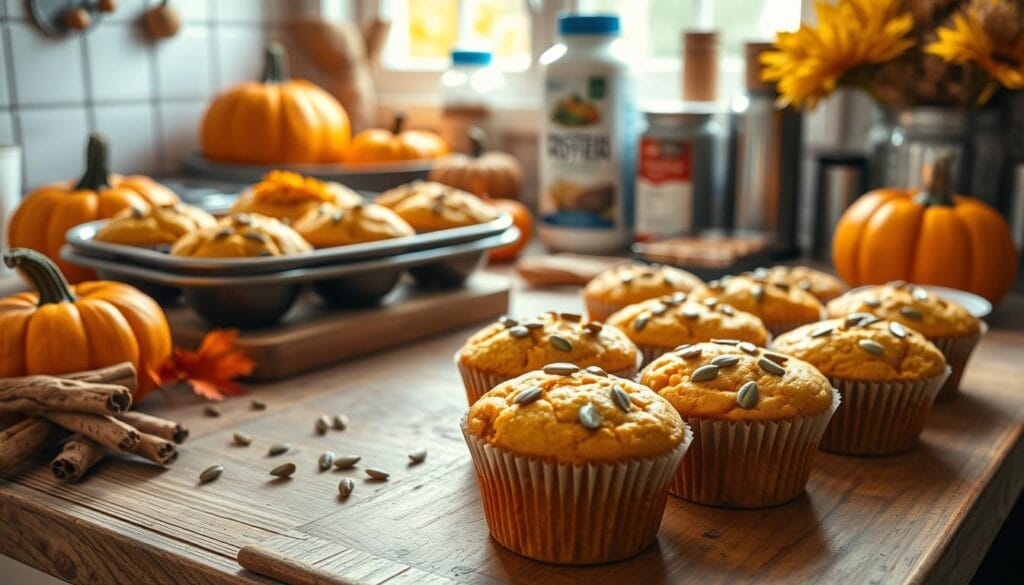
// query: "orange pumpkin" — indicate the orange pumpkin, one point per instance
point(380, 145)
point(523, 220)
point(495, 174)
point(46, 214)
point(926, 237)
point(275, 120)
point(63, 328)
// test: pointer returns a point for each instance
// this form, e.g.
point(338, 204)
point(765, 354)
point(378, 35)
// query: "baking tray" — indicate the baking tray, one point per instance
point(258, 300)
point(82, 239)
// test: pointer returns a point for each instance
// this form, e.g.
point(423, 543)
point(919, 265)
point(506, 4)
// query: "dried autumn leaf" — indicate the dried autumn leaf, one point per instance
point(211, 370)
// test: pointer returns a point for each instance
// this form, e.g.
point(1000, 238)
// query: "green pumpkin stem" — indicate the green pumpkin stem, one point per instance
point(396, 128)
point(42, 273)
point(97, 164)
point(275, 64)
point(477, 141)
point(940, 184)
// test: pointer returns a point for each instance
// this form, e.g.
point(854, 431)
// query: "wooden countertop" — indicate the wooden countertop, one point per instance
point(925, 516)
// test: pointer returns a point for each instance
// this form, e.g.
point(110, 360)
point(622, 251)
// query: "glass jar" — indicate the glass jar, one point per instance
point(468, 88)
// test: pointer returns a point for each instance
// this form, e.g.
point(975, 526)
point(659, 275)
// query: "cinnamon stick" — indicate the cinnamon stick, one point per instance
point(156, 449)
point(24, 440)
point(52, 393)
point(147, 423)
point(77, 457)
point(105, 430)
point(122, 374)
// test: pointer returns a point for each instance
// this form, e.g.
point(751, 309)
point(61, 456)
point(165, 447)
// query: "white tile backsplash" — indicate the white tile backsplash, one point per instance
point(180, 122)
point(15, 8)
point(5, 95)
point(128, 11)
point(119, 64)
point(184, 64)
point(239, 53)
point(7, 128)
point(46, 71)
point(193, 10)
point(250, 11)
point(131, 133)
point(53, 144)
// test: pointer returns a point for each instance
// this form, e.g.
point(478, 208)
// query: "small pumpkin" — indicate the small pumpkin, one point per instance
point(523, 220)
point(275, 120)
point(63, 328)
point(926, 237)
point(46, 214)
point(495, 174)
point(381, 145)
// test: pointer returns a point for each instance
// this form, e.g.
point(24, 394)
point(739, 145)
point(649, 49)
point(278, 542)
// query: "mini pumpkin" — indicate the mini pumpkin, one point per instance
point(926, 237)
point(381, 145)
point(495, 174)
point(275, 120)
point(63, 328)
point(46, 214)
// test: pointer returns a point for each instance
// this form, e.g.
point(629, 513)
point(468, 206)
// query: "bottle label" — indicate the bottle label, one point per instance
point(580, 173)
point(664, 188)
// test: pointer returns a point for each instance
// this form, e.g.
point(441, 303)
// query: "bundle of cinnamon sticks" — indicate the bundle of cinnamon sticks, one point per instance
point(89, 411)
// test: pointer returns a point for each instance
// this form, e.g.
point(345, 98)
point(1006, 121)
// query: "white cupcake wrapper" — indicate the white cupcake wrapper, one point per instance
point(572, 514)
point(880, 418)
point(599, 310)
point(479, 382)
point(957, 351)
point(750, 464)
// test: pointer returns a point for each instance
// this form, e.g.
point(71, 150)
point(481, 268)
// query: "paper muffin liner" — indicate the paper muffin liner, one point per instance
point(880, 418)
point(957, 351)
point(750, 464)
point(600, 310)
point(478, 382)
point(572, 514)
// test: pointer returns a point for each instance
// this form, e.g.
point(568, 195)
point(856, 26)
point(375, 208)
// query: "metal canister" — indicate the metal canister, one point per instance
point(842, 177)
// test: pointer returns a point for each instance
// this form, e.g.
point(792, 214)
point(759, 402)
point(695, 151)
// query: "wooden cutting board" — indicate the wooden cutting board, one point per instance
point(313, 334)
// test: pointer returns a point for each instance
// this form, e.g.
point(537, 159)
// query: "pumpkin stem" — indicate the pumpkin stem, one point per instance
point(396, 128)
point(940, 183)
point(275, 64)
point(97, 164)
point(43, 274)
point(477, 141)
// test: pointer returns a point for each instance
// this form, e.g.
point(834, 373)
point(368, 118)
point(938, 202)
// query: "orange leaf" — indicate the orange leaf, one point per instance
point(211, 370)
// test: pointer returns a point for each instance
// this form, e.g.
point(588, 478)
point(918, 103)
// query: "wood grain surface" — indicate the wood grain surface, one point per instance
point(927, 515)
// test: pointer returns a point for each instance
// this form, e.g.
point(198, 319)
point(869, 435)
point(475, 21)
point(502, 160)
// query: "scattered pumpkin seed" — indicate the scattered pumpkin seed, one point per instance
point(533, 325)
point(574, 317)
point(243, 219)
point(589, 417)
point(691, 313)
point(748, 395)
point(278, 449)
point(678, 296)
point(519, 332)
point(593, 327)
point(137, 213)
point(507, 321)
point(377, 473)
point(748, 347)
point(871, 346)
point(690, 353)
point(560, 343)
point(757, 291)
point(597, 371)
point(668, 301)
point(704, 373)
point(711, 301)
point(211, 473)
point(528, 396)
point(326, 461)
point(804, 284)
point(898, 330)
point(724, 361)
point(919, 294)
point(776, 357)
point(255, 237)
point(242, 439)
point(726, 341)
point(346, 461)
point(257, 404)
point(418, 456)
point(322, 424)
point(771, 367)
point(621, 398)
point(345, 487)
point(714, 284)
point(682, 347)
point(760, 272)
point(223, 233)
point(822, 331)
point(727, 310)
point(285, 470)
point(340, 422)
point(911, 313)
point(626, 277)
point(781, 284)
point(641, 322)
point(658, 308)
point(872, 301)
point(211, 411)
point(337, 216)
point(868, 320)
point(561, 369)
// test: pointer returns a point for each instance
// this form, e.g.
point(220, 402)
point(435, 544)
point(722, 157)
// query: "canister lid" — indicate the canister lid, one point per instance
point(464, 57)
point(588, 24)
point(667, 110)
point(754, 67)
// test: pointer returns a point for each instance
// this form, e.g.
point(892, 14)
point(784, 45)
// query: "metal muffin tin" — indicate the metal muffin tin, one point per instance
point(262, 296)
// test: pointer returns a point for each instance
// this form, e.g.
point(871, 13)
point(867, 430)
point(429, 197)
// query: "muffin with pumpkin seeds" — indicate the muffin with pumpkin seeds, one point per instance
point(160, 225)
point(778, 304)
point(951, 327)
point(242, 235)
point(544, 443)
point(888, 376)
point(658, 325)
point(626, 284)
point(510, 347)
point(822, 285)
point(332, 225)
point(757, 418)
point(287, 196)
point(429, 206)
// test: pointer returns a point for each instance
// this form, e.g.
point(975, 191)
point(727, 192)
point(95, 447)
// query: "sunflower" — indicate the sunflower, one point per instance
point(967, 40)
point(808, 64)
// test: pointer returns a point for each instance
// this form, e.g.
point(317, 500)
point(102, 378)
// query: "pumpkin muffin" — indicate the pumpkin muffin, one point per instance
point(546, 442)
point(888, 376)
point(160, 225)
point(333, 225)
point(428, 206)
point(509, 348)
point(288, 196)
point(779, 305)
point(757, 418)
point(822, 285)
point(242, 235)
point(658, 325)
point(627, 284)
point(945, 323)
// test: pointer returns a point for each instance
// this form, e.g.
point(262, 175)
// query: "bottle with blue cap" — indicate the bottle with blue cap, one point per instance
point(467, 92)
point(588, 137)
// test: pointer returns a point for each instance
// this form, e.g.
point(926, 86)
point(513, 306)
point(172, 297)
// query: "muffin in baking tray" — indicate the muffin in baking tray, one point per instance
point(288, 196)
point(242, 235)
point(429, 206)
point(159, 225)
point(332, 225)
